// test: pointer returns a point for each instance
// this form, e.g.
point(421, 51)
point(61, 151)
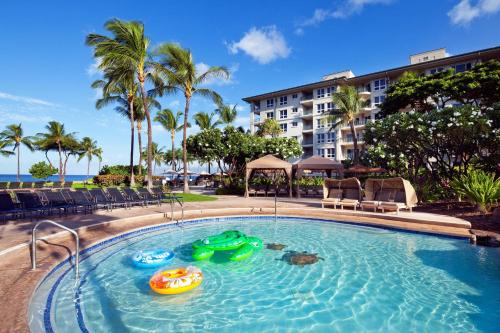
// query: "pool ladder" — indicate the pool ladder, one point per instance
point(173, 199)
point(34, 239)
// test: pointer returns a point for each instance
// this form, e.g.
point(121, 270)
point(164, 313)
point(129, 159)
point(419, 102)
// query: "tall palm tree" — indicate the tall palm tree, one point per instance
point(171, 123)
point(119, 87)
point(56, 138)
point(4, 152)
point(158, 155)
point(205, 120)
point(98, 154)
point(348, 104)
point(13, 136)
point(139, 119)
point(173, 158)
point(128, 48)
point(88, 149)
point(227, 113)
point(177, 68)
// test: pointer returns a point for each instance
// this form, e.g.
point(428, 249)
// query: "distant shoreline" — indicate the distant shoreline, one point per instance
point(29, 178)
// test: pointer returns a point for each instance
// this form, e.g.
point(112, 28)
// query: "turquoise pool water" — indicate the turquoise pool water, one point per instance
point(371, 280)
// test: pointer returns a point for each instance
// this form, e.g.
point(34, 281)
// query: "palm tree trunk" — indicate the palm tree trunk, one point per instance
point(61, 177)
point(139, 141)
point(150, 133)
point(88, 168)
point(184, 144)
point(354, 142)
point(18, 162)
point(132, 139)
point(172, 135)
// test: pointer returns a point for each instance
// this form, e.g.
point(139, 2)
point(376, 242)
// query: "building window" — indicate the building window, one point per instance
point(284, 127)
point(328, 122)
point(330, 152)
point(320, 108)
point(380, 84)
point(295, 110)
point(329, 106)
point(330, 137)
point(283, 114)
point(283, 100)
point(436, 70)
point(270, 103)
point(270, 115)
point(330, 91)
point(320, 123)
point(294, 96)
point(320, 138)
point(350, 154)
point(295, 124)
point(320, 93)
point(321, 152)
point(378, 100)
point(462, 67)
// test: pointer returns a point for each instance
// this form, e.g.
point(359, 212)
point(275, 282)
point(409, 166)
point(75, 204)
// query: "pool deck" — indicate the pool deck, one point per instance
point(17, 280)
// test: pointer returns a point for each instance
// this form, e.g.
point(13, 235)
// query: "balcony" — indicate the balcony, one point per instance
point(361, 122)
point(307, 100)
point(348, 140)
point(307, 129)
point(364, 93)
point(308, 113)
point(307, 143)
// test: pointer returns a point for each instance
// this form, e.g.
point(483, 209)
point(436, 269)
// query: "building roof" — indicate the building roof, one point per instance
point(490, 53)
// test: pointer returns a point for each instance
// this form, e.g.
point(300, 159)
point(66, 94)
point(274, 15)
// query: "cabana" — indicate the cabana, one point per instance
point(317, 163)
point(359, 169)
point(268, 164)
point(389, 194)
point(342, 192)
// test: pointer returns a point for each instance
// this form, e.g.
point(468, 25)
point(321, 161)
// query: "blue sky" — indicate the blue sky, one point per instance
point(47, 70)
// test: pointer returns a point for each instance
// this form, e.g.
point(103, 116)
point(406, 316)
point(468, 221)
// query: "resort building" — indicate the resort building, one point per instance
point(302, 111)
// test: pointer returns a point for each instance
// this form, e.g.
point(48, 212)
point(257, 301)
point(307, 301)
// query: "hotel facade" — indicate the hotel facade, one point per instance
point(302, 111)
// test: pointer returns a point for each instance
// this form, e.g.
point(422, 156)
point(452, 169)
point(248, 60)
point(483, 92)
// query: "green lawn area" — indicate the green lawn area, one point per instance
point(191, 197)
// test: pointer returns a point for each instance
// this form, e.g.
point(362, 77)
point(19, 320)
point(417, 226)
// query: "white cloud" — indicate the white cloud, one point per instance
point(174, 103)
point(463, 12)
point(202, 67)
point(264, 44)
point(348, 8)
point(26, 100)
point(242, 121)
point(93, 69)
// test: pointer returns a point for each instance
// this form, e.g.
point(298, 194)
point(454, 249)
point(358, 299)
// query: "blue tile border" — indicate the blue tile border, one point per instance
point(87, 252)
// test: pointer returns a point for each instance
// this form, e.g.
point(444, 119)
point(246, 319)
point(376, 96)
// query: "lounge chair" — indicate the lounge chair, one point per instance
point(134, 197)
point(81, 201)
point(57, 201)
point(101, 199)
point(350, 198)
point(333, 197)
point(398, 203)
point(118, 198)
point(67, 184)
point(31, 203)
point(56, 184)
point(148, 196)
point(9, 207)
point(39, 184)
point(381, 195)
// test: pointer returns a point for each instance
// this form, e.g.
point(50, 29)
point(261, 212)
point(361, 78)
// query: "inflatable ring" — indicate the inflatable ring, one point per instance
point(152, 258)
point(176, 281)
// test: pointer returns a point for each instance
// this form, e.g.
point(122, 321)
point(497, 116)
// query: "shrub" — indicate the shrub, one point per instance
point(42, 170)
point(478, 187)
point(117, 170)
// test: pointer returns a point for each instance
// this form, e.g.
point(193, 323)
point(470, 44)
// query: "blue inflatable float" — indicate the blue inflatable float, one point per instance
point(152, 258)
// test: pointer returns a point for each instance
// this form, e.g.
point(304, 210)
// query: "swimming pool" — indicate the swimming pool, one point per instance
point(371, 280)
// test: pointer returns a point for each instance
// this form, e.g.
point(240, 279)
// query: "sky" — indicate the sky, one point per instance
point(47, 69)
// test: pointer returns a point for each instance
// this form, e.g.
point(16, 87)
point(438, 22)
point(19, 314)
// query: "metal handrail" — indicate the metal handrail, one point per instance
point(33, 244)
point(172, 198)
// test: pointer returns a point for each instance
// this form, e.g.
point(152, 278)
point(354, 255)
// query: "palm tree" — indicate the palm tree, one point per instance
point(127, 49)
point(139, 119)
point(348, 104)
point(119, 86)
point(158, 155)
point(4, 152)
point(178, 71)
point(227, 113)
point(14, 136)
point(205, 120)
point(98, 154)
point(173, 158)
point(57, 139)
point(171, 123)
point(89, 149)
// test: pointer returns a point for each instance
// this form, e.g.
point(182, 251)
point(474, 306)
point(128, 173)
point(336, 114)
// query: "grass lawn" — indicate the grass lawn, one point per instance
point(191, 197)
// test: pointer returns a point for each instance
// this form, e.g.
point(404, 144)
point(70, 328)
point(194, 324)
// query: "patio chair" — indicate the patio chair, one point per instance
point(9, 207)
point(39, 184)
point(56, 184)
point(333, 198)
point(398, 203)
point(350, 198)
point(14, 185)
point(67, 184)
point(86, 192)
point(66, 194)
point(381, 195)
point(102, 200)
point(57, 201)
point(81, 201)
point(118, 198)
point(31, 203)
point(148, 196)
point(133, 197)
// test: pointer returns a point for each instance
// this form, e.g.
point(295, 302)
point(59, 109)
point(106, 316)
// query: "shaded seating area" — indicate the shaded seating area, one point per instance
point(316, 164)
point(342, 192)
point(270, 166)
point(390, 194)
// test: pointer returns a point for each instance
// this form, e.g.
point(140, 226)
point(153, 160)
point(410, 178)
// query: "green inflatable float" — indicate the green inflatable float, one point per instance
point(244, 245)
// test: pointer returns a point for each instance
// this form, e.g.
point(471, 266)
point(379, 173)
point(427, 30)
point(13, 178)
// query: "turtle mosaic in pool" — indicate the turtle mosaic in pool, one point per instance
point(371, 280)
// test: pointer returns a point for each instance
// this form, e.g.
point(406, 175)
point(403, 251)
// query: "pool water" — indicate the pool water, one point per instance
point(370, 280)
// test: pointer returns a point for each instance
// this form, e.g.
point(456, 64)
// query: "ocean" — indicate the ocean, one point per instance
point(29, 178)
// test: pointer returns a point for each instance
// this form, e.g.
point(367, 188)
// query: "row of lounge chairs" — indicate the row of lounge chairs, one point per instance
point(31, 185)
point(39, 203)
point(390, 194)
point(267, 190)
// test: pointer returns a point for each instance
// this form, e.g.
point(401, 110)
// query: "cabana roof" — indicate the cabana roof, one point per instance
point(319, 163)
point(358, 168)
point(373, 185)
point(343, 183)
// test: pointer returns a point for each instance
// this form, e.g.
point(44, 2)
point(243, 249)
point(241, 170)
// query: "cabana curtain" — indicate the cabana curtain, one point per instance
point(268, 163)
point(342, 184)
point(317, 163)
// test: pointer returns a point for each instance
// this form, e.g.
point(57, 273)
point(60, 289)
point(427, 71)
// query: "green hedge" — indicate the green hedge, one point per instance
point(116, 180)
